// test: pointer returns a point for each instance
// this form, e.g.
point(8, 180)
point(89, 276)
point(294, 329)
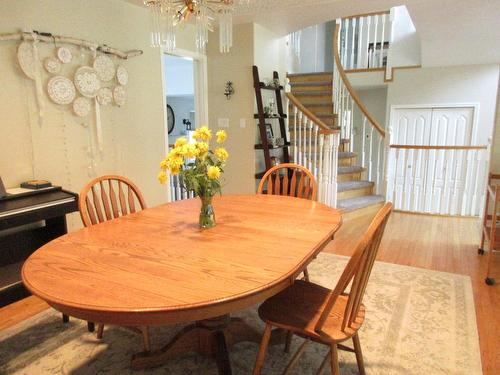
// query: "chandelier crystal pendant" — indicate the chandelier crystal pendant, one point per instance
point(167, 14)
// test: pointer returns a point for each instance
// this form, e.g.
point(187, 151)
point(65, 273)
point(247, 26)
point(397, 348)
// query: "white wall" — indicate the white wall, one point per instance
point(495, 159)
point(235, 66)
point(133, 135)
point(405, 47)
point(450, 85)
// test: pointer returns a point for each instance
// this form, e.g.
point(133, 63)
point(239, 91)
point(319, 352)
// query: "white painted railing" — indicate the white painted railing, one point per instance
point(315, 146)
point(353, 116)
point(447, 180)
point(365, 40)
point(177, 191)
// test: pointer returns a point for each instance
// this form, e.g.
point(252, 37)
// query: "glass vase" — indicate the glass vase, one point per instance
point(207, 213)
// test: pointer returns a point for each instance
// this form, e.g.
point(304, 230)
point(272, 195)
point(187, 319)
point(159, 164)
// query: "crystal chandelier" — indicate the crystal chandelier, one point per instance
point(167, 14)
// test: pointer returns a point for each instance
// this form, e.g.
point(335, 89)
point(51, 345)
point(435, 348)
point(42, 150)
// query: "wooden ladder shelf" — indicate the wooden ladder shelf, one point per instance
point(261, 116)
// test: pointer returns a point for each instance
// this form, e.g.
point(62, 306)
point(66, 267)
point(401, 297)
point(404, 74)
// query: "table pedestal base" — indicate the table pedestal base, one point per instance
point(210, 338)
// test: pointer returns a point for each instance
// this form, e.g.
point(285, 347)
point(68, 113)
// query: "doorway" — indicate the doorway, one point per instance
point(184, 89)
point(434, 164)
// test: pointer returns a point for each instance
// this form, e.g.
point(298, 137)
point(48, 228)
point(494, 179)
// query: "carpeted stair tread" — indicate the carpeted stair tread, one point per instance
point(350, 169)
point(356, 203)
point(353, 185)
point(311, 83)
point(347, 155)
point(308, 74)
point(312, 93)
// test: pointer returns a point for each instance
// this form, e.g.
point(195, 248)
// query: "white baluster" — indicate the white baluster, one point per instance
point(379, 151)
point(335, 163)
point(315, 170)
point(395, 200)
point(178, 189)
point(304, 143)
point(360, 43)
point(363, 143)
point(295, 151)
point(374, 62)
point(381, 59)
point(353, 47)
point(351, 126)
point(477, 193)
point(321, 177)
point(327, 169)
point(346, 38)
point(299, 132)
point(423, 194)
point(370, 155)
point(309, 151)
point(368, 29)
point(468, 175)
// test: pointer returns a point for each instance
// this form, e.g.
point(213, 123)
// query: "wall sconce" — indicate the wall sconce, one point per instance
point(229, 90)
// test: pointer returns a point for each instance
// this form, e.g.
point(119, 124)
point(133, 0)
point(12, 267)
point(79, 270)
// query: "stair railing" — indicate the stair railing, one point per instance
point(352, 114)
point(314, 146)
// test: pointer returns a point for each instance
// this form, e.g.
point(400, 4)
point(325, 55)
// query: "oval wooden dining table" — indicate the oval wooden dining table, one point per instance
point(156, 267)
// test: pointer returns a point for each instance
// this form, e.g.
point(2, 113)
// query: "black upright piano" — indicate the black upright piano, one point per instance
point(28, 221)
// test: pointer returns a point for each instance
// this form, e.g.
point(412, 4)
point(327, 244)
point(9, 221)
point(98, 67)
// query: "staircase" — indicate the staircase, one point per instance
point(355, 193)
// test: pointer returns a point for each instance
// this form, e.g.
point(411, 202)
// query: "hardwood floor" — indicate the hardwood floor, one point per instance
point(431, 242)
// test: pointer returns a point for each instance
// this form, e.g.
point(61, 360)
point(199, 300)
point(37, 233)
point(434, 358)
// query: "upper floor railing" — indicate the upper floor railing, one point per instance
point(365, 40)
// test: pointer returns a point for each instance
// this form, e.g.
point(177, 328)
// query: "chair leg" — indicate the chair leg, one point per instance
point(296, 358)
point(288, 341)
point(65, 318)
point(100, 331)
point(323, 364)
point(334, 359)
point(359, 354)
point(306, 275)
point(145, 338)
point(91, 326)
point(262, 350)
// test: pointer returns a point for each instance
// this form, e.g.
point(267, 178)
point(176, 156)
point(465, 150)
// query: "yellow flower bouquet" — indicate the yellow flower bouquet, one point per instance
point(200, 168)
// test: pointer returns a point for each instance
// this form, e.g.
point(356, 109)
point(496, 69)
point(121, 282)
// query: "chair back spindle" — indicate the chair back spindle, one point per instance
point(289, 179)
point(357, 271)
point(99, 201)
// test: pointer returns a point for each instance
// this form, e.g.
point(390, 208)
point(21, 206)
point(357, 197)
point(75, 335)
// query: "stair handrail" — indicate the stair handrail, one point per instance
point(324, 129)
point(352, 92)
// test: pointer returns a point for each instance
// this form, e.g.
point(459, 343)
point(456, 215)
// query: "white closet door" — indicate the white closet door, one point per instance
point(431, 181)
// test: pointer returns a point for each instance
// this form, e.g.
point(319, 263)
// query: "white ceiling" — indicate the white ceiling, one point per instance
point(452, 32)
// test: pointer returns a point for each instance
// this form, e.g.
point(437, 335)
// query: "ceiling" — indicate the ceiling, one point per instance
point(452, 32)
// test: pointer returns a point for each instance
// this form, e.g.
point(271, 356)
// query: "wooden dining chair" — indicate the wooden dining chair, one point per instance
point(105, 198)
point(292, 180)
point(289, 179)
point(326, 316)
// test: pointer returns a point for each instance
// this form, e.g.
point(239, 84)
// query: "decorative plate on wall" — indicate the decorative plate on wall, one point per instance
point(87, 82)
point(64, 54)
point(104, 96)
point(119, 95)
point(170, 119)
point(81, 106)
point(26, 59)
point(104, 67)
point(61, 90)
point(52, 65)
point(122, 75)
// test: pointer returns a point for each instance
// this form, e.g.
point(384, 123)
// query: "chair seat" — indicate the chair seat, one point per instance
point(299, 307)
